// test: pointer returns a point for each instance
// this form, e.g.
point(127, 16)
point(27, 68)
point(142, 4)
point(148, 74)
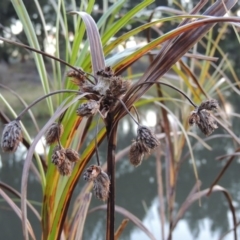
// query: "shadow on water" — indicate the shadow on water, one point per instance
point(136, 190)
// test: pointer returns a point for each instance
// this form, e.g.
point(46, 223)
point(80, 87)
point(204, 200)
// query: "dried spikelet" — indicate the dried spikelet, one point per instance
point(118, 86)
point(88, 109)
point(106, 73)
point(58, 156)
point(65, 169)
point(194, 118)
point(100, 180)
point(135, 154)
point(145, 135)
point(72, 155)
point(54, 133)
point(77, 77)
point(211, 104)
point(91, 172)
point(207, 123)
point(11, 136)
point(101, 186)
point(203, 118)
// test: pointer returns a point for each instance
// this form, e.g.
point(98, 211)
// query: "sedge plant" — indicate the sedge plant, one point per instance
point(93, 79)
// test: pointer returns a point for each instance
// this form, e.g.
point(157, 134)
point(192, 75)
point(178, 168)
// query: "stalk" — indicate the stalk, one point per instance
point(112, 141)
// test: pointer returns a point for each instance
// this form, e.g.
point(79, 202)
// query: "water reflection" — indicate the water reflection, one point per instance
point(136, 190)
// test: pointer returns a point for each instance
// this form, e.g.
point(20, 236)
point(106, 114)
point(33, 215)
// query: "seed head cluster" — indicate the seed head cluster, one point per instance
point(203, 118)
point(64, 159)
point(143, 144)
point(103, 93)
point(11, 136)
point(100, 179)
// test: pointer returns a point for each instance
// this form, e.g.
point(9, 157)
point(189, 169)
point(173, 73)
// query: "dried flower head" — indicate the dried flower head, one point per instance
point(92, 172)
point(65, 168)
point(194, 118)
point(54, 133)
point(136, 154)
point(72, 155)
point(59, 155)
point(78, 78)
point(11, 136)
point(88, 109)
point(101, 186)
point(204, 121)
point(100, 180)
point(118, 86)
point(145, 135)
point(107, 72)
point(211, 104)
point(202, 117)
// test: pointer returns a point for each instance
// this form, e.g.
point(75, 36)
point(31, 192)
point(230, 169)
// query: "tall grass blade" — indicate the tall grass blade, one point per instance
point(97, 56)
point(33, 41)
point(18, 212)
point(128, 215)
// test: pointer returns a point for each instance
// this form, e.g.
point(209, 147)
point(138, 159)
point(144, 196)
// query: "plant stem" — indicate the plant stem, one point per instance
point(112, 139)
point(96, 143)
point(43, 97)
point(168, 85)
point(48, 55)
point(125, 107)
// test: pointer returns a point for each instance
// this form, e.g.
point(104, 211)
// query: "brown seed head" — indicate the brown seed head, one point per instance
point(54, 133)
point(78, 78)
point(204, 120)
point(72, 155)
point(88, 109)
point(107, 72)
point(91, 172)
point(101, 186)
point(100, 180)
point(65, 168)
point(194, 118)
point(11, 136)
point(211, 104)
point(146, 136)
point(58, 156)
point(118, 86)
point(207, 123)
point(136, 154)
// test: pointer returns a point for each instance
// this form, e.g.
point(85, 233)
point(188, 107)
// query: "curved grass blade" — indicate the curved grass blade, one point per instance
point(198, 195)
point(118, 25)
point(109, 12)
point(124, 20)
point(170, 35)
point(33, 41)
point(18, 195)
point(128, 215)
point(16, 209)
point(79, 35)
point(227, 164)
point(77, 225)
point(24, 104)
point(29, 156)
point(97, 56)
point(127, 35)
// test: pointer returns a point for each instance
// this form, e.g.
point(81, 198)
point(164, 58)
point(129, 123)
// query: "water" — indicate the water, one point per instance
point(136, 190)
